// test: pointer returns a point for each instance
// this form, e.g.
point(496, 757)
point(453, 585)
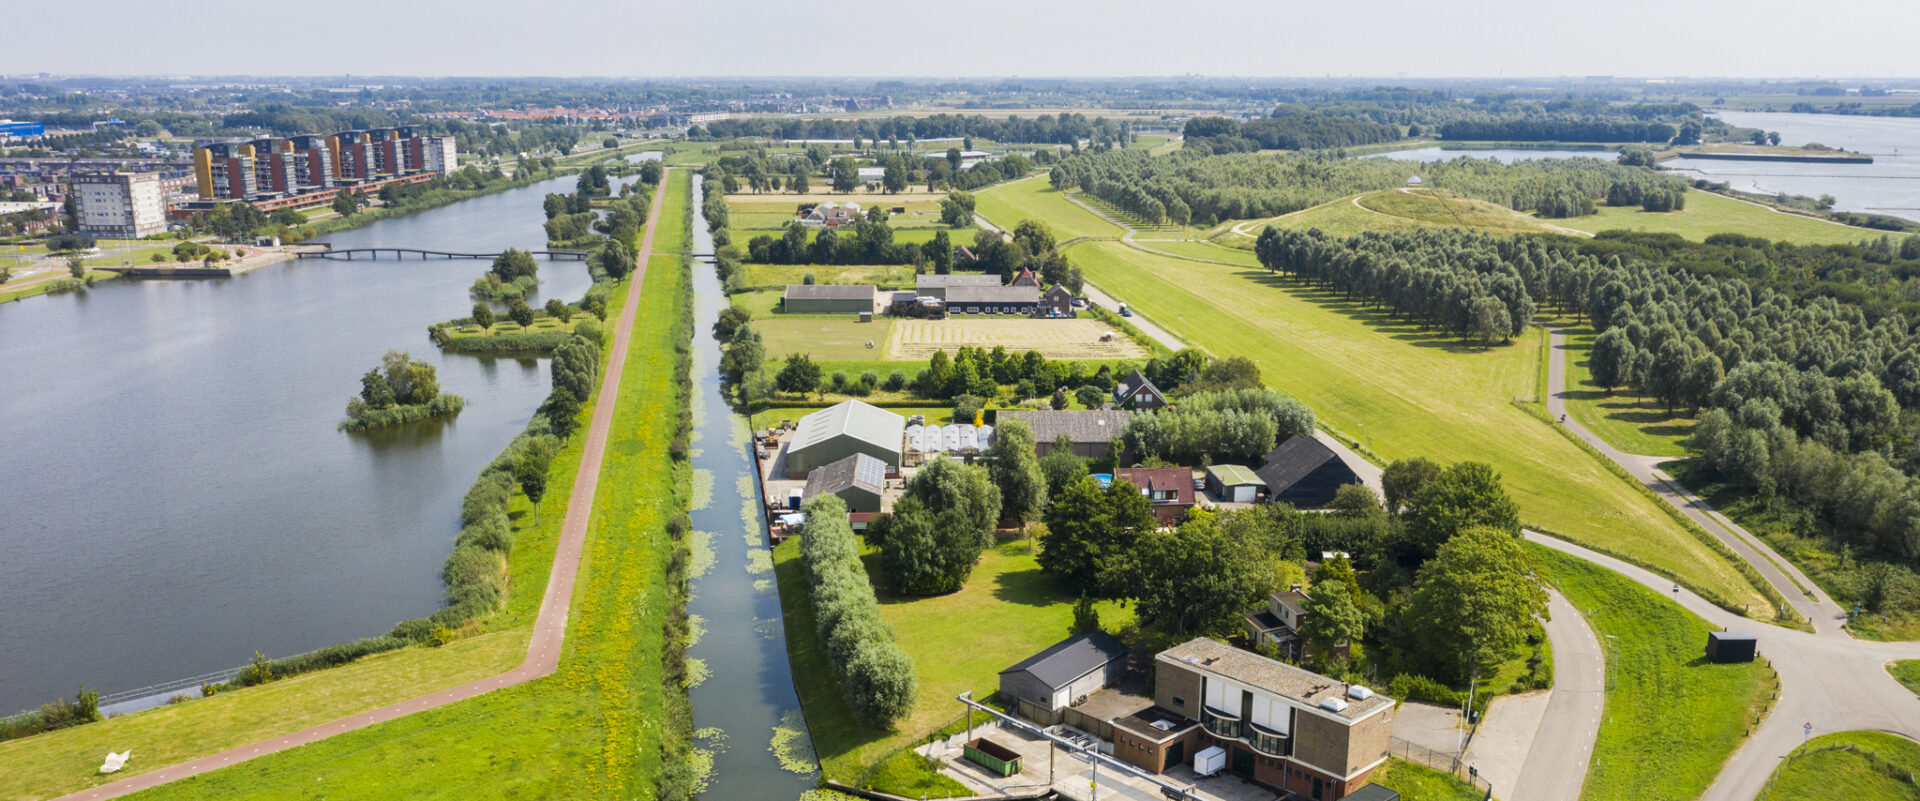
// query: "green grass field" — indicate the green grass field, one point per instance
point(1417, 782)
point(1907, 673)
point(1027, 611)
point(589, 731)
point(13, 291)
point(784, 275)
point(1634, 425)
point(1707, 214)
point(1034, 199)
point(1854, 765)
point(1440, 207)
point(1672, 719)
point(1415, 393)
point(825, 338)
point(1340, 218)
point(1200, 249)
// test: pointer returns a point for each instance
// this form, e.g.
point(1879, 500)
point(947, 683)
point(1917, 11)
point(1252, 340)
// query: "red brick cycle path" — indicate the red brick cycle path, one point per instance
point(549, 630)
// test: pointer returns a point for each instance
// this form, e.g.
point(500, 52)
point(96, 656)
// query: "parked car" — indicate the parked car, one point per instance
point(1124, 311)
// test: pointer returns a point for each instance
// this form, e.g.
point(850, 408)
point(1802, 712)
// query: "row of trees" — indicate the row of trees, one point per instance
point(1548, 130)
point(1286, 129)
point(1191, 187)
point(1457, 280)
point(1235, 425)
point(874, 672)
point(1063, 129)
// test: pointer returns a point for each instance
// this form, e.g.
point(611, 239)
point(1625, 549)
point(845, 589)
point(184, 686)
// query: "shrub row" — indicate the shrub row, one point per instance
point(52, 716)
point(443, 404)
point(876, 675)
point(681, 777)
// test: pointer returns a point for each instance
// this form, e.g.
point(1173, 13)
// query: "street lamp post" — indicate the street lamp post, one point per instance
point(1611, 640)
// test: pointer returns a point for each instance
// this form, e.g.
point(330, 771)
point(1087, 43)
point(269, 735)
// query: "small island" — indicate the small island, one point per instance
point(399, 391)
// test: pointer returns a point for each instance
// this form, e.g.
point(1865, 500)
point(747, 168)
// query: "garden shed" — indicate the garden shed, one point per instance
point(1233, 483)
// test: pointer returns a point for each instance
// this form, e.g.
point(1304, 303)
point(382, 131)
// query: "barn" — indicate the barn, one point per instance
point(842, 430)
point(1043, 685)
point(1305, 473)
point(860, 480)
point(828, 299)
point(993, 299)
point(934, 285)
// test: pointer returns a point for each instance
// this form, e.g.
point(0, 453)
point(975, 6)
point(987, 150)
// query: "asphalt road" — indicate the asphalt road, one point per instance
point(549, 629)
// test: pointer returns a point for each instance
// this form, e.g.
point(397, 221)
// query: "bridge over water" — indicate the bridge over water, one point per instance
point(402, 253)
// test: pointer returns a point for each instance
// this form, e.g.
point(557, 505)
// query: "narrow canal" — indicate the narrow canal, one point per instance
point(745, 707)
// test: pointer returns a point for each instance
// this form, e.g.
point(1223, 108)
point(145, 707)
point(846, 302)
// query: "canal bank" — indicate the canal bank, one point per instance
point(745, 707)
point(238, 519)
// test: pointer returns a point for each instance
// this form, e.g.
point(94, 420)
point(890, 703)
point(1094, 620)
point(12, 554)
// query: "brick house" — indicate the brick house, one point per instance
point(1169, 488)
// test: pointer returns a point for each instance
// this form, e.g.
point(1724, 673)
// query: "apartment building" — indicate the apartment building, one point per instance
point(126, 204)
point(1283, 727)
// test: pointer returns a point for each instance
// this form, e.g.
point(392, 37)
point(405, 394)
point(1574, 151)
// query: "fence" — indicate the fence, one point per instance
point(1443, 761)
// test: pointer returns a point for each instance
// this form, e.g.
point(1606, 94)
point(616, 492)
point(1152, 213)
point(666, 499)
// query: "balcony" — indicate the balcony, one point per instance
point(1220, 724)
point(1268, 742)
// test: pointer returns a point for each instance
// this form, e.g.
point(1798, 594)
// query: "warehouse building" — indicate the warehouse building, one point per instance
point(842, 430)
point(828, 299)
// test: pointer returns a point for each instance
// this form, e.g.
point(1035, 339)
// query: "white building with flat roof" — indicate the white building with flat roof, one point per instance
point(128, 204)
point(442, 158)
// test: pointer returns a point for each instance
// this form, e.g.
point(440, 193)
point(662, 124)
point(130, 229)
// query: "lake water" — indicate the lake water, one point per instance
point(175, 494)
point(1890, 185)
point(748, 691)
point(1502, 155)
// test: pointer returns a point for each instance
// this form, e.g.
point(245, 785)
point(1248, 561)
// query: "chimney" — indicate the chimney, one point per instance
point(1294, 587)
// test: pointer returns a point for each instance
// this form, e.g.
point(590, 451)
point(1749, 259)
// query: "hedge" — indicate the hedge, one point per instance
point(876, 675)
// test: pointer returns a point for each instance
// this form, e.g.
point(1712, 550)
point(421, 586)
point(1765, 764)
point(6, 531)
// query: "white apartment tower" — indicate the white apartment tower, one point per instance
point(128, 204)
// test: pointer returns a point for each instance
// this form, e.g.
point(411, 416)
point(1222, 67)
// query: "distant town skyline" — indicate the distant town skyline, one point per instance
point(1219, 38)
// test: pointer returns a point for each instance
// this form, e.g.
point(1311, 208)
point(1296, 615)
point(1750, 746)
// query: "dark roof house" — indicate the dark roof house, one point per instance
point(1136, 392)
point(1305, 473)
point(860, 480)
point(1091, 432)
point(828, 298)
point(993, 299)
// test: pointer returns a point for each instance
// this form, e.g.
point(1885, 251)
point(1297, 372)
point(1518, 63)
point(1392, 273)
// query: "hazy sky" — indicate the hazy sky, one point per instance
point(1763, 38)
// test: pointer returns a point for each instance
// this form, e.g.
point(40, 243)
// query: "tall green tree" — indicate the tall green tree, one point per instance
point(1464, 495)
point(1333, 618)
point(1196, 578)
point(1474, 602)
point(943, 485)
point(1061, 466)
point(1090, 531)
point(1403, 479)
point(1016, 471)
point(799, 376)
point(925, 553)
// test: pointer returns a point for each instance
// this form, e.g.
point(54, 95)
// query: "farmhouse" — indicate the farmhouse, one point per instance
point(860, 480)
point(1281, 621)
point(1305, 473)
point(936, 286)
point(1025, 278)
point(1091, 432)
point(1169, 488)
point(873, 176)
point(1233, 483)
point(1136, 392)
point(993, 299)
point(1057, 301)
point(1284, 728)
point(1044, 685)
point(842, 430)
point(831, 214)
point(828, 299)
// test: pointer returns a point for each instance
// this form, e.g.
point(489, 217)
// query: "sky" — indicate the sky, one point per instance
point(682, 38)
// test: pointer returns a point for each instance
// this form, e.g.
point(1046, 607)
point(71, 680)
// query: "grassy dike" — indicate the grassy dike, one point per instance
point(1859, 765)
point(1672, 719)
point(536, 735)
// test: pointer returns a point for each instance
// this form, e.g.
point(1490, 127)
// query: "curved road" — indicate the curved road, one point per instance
point(549, 630)
point(1832, 682)
point(1811, 604)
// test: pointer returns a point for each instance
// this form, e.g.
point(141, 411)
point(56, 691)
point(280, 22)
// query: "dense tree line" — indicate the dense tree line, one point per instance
point(868, 241)
point(1285, 130)
point(1064, 129)
point(1189, 187)
point(1547, 130)
point(1459, 281)
point(875, 673)
point(1236, 425)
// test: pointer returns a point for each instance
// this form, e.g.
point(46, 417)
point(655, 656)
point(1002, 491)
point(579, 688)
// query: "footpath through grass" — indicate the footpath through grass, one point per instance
point(1672, 719)
point(1005, 613)
point(1412, 393)
point(591, 730)
point(1854, 765)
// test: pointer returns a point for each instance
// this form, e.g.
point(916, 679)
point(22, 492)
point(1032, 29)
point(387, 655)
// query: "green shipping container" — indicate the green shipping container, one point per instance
point(992, 756)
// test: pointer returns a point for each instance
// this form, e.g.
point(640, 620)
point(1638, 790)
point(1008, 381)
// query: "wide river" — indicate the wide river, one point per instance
point(1890, 185)
point(175, 495)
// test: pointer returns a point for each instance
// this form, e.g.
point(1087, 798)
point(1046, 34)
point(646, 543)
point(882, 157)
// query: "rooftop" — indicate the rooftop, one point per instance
point(992, 294)
point(1232, 475)
point(1156, 724)
point(1085, 427)
point(830, 291)
point(1293, 460)
point(955, 279)
point(1071, 658)
point(852, 418)
point(858, 470)
point(1148, 479)
point(1253, 670)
